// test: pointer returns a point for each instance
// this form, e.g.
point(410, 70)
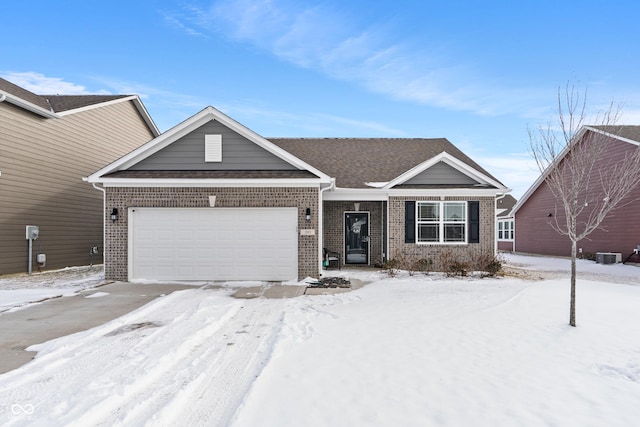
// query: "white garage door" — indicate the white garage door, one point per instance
point(213, 243)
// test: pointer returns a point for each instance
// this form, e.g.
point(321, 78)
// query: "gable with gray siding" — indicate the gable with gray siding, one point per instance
point(441, 174)
point(187, 153)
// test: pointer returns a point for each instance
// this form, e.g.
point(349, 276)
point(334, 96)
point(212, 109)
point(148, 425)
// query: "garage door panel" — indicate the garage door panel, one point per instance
point(213, 244)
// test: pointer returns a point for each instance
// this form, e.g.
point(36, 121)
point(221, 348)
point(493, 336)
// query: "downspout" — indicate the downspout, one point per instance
point(388, 247)
point(331, 186)
point(3, 97)
point(382, 236)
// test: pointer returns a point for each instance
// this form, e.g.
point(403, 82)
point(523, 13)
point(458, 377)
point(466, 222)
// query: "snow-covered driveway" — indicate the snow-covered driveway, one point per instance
point(186, 359)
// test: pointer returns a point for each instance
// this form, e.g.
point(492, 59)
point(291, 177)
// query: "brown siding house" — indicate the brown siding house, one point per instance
point(47, 144)
point(212, 200)
point(620, 231)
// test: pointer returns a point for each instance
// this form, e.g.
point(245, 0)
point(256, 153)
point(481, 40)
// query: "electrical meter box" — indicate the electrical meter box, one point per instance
point(32, 232)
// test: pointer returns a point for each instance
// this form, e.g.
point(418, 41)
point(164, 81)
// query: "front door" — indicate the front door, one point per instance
point(356, 237)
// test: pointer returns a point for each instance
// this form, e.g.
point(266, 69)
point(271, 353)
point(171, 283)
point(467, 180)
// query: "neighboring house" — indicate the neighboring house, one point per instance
point(537, 208)
point(212, 200)
point(505, 224)
point(47, 144)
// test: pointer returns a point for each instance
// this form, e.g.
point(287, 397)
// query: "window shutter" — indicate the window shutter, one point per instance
point(409, 222)
point(474, 221)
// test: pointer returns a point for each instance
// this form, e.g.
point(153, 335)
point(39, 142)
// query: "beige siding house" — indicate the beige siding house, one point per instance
point(47, 144)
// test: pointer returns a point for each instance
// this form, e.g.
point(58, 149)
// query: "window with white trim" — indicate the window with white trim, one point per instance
point(505, 229)
point(441, 222)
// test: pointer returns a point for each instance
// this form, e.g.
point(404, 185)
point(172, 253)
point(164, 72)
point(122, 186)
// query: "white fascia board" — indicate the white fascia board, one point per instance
point(451, 161)
point(612, 135)
point(191, 124)
point(235, 183)
point(19, 102)
point(457, 192)
point(264, 143)
point(137, 102)
point(152, 146)
point(361, 194)
point(546, 172)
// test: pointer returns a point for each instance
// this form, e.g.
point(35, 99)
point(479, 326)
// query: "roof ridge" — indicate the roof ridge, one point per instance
point(373, 138)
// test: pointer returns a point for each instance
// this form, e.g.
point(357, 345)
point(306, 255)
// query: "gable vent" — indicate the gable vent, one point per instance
point(213, 148)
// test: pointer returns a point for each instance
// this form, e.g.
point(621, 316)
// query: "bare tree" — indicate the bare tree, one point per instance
point(585, 185)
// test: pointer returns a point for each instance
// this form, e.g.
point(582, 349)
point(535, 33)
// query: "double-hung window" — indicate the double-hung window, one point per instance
point(441, 222)
point(505, 229)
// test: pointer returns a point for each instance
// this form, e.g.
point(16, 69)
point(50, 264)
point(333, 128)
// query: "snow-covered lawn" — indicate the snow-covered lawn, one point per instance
point(404, 351)
point(21, 290)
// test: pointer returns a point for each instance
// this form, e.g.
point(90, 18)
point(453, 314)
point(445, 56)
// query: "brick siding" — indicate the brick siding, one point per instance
point(466, 252)
point(122, 198)
point(334, 233)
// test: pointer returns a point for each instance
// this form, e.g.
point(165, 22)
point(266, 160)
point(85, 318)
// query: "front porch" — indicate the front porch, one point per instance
point(356, 230)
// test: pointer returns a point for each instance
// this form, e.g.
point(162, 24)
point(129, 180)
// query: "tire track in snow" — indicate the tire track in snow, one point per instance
point(197, 366)
point(245, 346)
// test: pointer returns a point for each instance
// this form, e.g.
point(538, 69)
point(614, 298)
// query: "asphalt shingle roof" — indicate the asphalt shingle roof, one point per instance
point(625, 131)
point(7, 86)
point(56, 103)
point(61, 103)
point(356, 161)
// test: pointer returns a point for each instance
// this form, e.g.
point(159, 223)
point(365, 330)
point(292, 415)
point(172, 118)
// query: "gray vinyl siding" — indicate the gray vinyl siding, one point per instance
point(42, 162)
point(441, 173)
point(238, 153)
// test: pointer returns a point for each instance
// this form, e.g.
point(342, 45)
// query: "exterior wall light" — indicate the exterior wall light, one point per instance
point(114, 214)
point(308, 214)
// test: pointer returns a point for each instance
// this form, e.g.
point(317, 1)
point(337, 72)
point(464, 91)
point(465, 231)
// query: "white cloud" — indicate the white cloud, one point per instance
point(40, 84)
point(326, 40)
point(517, 171)
point(305, 123)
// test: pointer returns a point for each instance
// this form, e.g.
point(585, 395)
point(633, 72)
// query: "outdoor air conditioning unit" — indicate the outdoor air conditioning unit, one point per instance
point(608, 257)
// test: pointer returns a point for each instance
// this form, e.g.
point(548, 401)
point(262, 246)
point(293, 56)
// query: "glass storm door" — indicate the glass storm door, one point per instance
point(356, 237)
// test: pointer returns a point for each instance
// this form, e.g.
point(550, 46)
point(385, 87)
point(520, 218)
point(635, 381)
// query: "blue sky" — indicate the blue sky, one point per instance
point(476, 73)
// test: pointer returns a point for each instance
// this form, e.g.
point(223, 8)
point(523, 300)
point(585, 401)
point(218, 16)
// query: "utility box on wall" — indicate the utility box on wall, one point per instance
point(33, 231)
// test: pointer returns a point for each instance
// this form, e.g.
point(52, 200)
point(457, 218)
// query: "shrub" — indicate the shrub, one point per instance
point(452, 266)
point(391, 267)
point(490, 264)
point(424, 265)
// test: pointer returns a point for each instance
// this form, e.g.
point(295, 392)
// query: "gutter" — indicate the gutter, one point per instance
point(331, 186)
point(104, 219)
point(19, 102)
